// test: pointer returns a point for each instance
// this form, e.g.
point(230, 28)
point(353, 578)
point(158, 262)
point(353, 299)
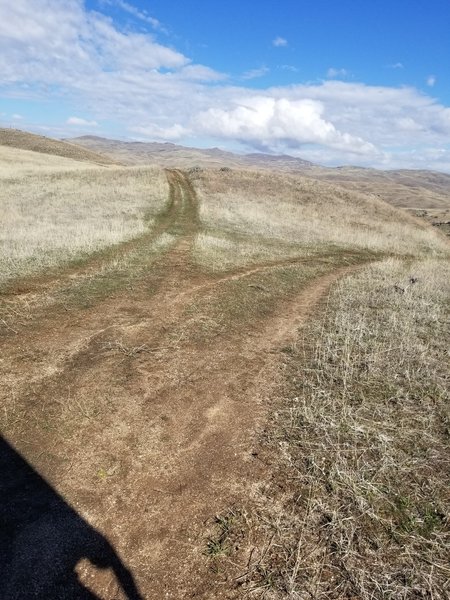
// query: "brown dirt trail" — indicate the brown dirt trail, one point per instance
point(146, 430)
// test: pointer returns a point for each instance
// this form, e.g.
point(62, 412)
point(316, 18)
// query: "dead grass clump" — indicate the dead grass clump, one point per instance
point(364, 445)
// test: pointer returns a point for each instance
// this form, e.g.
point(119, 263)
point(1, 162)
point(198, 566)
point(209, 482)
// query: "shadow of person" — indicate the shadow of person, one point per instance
point(42, 539)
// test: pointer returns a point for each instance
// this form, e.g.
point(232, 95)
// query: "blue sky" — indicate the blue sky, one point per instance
point(346, 82)
point(363, 37)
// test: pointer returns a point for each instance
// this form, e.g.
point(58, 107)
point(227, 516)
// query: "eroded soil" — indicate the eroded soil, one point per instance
point(139, 415)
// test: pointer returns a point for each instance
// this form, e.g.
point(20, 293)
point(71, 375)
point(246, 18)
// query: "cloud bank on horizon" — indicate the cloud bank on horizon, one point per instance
point(66, 55)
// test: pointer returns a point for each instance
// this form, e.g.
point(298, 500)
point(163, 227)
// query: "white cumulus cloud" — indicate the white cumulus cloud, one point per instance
point(49, 41)
point(431, 80)
point(273, 122)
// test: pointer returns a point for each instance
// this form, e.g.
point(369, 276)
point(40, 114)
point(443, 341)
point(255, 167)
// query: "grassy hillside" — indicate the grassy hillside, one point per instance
point(412, 189)
point(14, 138)
point(251, 216)
point(56, 209)
point(16, 163)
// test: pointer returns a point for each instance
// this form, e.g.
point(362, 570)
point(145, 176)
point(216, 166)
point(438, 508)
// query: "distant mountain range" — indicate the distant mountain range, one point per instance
point(172, 155)
point(406, 188)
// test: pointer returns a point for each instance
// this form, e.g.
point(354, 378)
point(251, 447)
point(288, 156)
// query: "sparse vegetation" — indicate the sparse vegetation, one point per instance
point(219, 542)
point(363, 442)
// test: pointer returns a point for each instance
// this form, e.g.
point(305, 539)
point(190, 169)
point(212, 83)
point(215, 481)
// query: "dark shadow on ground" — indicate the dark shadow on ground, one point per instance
point(42, 539)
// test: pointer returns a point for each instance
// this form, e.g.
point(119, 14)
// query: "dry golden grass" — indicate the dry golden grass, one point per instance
point(57, 212)
point(218, 251)
point(364, 445)
point(249, 215)
point(16, 163)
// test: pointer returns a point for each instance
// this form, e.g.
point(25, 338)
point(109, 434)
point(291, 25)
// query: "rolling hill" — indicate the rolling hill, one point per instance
point(15, 138)
point(424, 193)
point(418, 189)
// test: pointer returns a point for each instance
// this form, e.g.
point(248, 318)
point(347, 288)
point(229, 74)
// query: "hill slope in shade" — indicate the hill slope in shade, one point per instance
point(24, 140)
point(404, 188)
